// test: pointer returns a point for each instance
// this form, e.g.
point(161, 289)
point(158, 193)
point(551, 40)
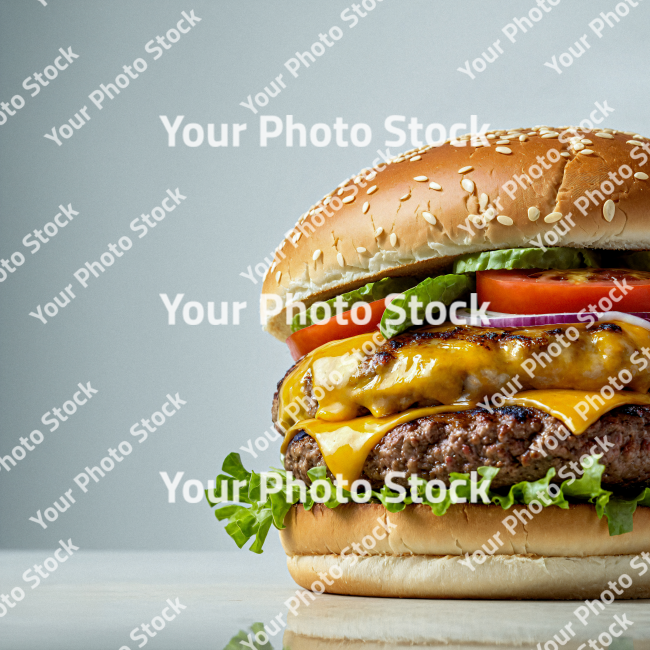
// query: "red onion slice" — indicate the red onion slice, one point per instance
point(518, 320)
point(499, 320)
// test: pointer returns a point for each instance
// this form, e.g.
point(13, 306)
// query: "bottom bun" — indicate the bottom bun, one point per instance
point(473, 551)
point(499, 577)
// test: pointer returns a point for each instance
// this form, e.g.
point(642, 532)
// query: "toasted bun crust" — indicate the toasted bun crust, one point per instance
point(558, 554)
point(336, 247)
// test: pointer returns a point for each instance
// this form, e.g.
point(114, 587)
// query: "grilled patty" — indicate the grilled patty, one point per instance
point(511, 438)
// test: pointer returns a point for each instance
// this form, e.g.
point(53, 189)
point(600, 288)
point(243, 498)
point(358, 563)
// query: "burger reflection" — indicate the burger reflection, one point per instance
point(344, 622)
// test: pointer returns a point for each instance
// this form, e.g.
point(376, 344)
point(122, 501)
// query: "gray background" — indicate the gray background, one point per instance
point(400, 59)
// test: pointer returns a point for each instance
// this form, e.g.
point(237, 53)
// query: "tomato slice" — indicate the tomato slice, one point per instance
point(338, 327)
point(555, 292)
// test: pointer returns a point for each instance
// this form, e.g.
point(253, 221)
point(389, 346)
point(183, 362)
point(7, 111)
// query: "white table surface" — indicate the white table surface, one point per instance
point(97, 598)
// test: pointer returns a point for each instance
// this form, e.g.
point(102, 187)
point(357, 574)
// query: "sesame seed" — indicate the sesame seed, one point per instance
point(366, 207)
point(464, 170)
point(505, 150)
point(379, 231)
point(522, 138)
point(637, 136)
point(532, 133)
point(317, 254)
point(372, 190)
point(503, 142)
point(340, 260)
point(602, 134)
point(339, 192)
point(578, 146)
point(393, 239)
point(634, 142)
point(357, 179)
point(349, 199)
point(506, 221)
point(491, 136)
point(296, 237)
point(550, 134)
point(586, 141)
point(587, 152)
point(467, 184)
point(361, 249)
point(416, 158)
point(642, 176)
point(533, 213)
point(371, 175)
point(429, 217)
point(421, 179)
point(553, 217)
point(566, 154)
point(435, 186)
point(278, 275)
point(609, 209)
point(483, 201)
point(406, 197)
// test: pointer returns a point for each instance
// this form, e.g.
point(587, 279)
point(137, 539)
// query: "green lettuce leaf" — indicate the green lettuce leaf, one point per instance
point(587, 487)
point(439, 505)
point(639, 261)
point(527, 258)
point(320, 474)
point(620, 512)
point(237, 642)
point(526, 491)
point(254, 519)
point(385, 493)
point(444, 289)
point(368, 293)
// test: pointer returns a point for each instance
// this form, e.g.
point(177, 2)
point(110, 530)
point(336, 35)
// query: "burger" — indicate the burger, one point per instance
point(468, 412)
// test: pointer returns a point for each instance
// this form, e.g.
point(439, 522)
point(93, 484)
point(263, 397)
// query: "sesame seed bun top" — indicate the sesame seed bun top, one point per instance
point(427, 206)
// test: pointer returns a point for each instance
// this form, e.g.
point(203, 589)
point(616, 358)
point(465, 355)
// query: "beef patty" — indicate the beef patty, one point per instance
point(511, 438)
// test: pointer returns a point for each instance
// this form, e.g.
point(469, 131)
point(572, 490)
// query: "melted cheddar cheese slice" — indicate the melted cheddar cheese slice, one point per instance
point(345, 445)
point(451, 365)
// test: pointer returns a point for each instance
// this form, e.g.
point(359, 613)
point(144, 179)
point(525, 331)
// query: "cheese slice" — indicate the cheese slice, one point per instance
point(452, 369)
point(342, 358)
point(345, 445)
point(576, 408)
